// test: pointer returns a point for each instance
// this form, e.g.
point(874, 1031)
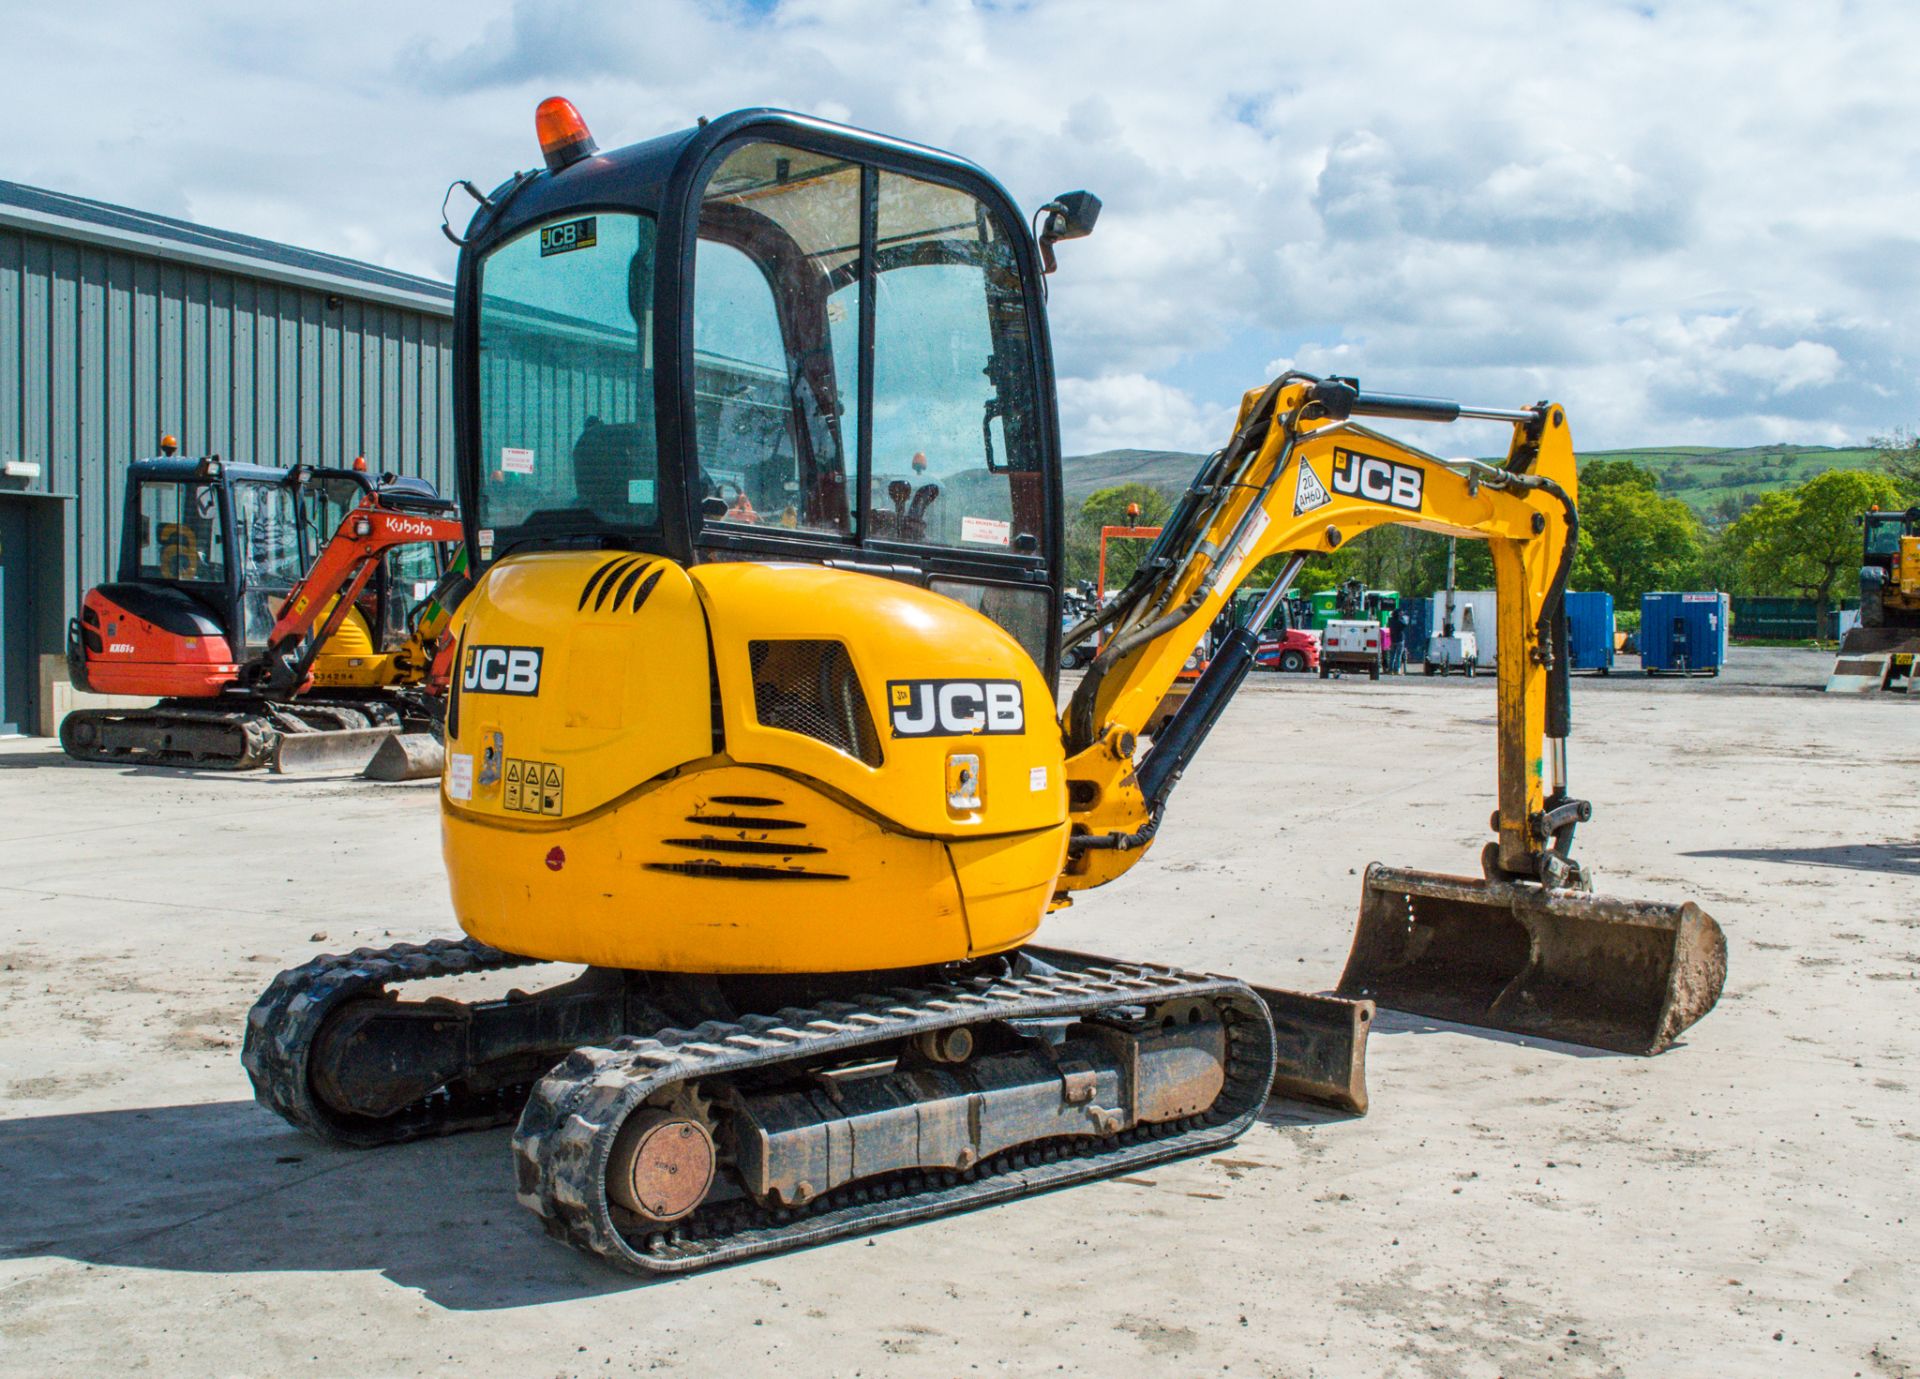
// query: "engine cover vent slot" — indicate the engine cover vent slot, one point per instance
point(809, 687)
point(598, 576)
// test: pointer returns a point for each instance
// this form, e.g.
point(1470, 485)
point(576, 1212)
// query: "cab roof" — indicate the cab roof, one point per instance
point(658, 172)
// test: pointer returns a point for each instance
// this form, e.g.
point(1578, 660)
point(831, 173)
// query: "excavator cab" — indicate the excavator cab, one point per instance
point(769, 339)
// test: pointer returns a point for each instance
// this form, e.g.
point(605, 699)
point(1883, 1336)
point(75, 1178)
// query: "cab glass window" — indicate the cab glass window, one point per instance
point(1884, 533)
point(775, 336)
point(324, 505)
point(956, 459)
point(180, 536)
point(567, 437)
point(410, 575)
point(268, 535)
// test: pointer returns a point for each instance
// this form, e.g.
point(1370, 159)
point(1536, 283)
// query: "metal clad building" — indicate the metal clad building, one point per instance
point(117, 327)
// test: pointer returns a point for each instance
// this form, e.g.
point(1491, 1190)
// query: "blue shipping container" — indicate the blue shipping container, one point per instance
point(1590, 631)
point(1686, 633)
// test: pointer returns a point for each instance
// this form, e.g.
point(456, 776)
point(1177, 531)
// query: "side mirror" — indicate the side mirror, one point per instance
point(1070, 215)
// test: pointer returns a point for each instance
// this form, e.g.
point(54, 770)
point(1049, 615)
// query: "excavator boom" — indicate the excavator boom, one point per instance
point(1522, 948)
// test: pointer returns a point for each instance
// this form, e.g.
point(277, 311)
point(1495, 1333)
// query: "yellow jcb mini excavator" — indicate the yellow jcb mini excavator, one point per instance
point(754, 717)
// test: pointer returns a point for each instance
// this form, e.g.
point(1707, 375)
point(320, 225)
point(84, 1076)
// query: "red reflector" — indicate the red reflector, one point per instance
point(564, 137)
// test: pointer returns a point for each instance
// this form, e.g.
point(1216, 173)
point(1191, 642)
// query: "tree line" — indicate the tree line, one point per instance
point(1801, 542)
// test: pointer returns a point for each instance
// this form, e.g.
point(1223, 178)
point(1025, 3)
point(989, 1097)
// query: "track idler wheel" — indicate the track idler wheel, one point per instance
point(661, 1165)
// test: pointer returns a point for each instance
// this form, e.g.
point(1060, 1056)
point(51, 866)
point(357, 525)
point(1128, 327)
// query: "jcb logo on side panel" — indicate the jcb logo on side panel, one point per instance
point(955, 708)
point(501, 670)
point(1377, 480)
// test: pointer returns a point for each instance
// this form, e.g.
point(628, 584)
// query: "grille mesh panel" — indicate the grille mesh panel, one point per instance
point(808, 687)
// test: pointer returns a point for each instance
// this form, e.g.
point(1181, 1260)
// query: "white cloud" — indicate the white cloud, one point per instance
point(1134, 412)
point(1695, 221)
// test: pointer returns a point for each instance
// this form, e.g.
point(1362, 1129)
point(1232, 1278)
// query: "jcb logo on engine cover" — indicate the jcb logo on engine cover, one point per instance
point(955, 708)
point(501, 670)
point(1377, 480)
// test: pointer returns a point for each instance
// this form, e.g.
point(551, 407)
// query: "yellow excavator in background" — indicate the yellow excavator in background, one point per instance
point(754, 716)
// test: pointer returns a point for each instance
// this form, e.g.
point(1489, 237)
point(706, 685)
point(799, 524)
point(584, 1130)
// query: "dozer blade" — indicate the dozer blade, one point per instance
point(1320, 1041)
point(336, 749)
point(1625, 975)
point(407, 756)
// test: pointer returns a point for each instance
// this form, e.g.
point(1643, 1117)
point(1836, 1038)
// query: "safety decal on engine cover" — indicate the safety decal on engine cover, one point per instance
point(1377, 480)
point(534, 787)
point(955, 708)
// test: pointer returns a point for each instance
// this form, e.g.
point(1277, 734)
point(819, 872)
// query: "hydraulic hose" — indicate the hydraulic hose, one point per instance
point(1180, 527)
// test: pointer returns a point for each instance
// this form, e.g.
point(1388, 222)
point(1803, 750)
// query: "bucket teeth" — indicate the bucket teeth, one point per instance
point(1623, 975)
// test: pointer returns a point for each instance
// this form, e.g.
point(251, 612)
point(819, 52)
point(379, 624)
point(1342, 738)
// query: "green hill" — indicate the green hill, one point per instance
point(1718, 482)
point(1715, 481)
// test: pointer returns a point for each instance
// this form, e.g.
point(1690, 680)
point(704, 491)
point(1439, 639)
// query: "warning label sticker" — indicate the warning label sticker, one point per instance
point(1230, 564)
point(514, 460)
point(1308, 492)
point(987, 531)
point(460, 776)
point(533, 787)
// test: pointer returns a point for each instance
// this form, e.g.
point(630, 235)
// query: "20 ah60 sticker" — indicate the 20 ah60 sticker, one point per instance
point(955, 708)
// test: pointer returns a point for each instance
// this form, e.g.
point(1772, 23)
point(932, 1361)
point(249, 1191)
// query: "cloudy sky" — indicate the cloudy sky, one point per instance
point(1691, 222)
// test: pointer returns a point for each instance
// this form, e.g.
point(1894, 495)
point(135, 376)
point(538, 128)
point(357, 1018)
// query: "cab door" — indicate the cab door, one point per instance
point(869, 380)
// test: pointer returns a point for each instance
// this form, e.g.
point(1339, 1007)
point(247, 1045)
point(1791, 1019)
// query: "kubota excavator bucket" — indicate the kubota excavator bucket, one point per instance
point(1625, 975)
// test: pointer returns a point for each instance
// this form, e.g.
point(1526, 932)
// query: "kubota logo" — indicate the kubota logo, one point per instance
point(407, 526)
point(501, 670)
point(955, 708)
point(1377, 480)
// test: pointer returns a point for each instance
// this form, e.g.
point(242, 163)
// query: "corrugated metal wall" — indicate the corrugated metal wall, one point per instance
point(102, 352)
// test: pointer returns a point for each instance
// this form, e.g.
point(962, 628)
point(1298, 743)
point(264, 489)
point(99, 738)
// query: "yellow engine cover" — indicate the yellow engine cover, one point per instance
point(744, 768)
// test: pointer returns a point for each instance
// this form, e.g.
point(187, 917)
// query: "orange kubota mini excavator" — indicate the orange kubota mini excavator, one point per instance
point(798, 792)
point(286, 617)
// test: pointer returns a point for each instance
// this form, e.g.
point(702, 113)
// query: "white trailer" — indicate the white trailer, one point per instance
point(1472, 609)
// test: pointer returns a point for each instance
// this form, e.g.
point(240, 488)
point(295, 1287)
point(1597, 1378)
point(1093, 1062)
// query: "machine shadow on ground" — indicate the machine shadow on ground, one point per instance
point(220, 1187)
point(54, 759)
point(1391, 1022)
point(1895, 859)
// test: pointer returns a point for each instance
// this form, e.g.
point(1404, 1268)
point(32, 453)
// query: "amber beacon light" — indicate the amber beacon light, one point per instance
point(564, 136)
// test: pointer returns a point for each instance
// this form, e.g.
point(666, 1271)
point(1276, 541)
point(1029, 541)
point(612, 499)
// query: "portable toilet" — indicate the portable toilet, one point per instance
point(1590, 632)
point(1683, 633)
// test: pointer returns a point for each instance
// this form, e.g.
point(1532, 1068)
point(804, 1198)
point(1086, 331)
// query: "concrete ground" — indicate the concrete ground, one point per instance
point(1745, 1204)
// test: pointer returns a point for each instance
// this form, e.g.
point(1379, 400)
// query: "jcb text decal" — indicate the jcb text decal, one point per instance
point(955, 708)
point(1377, 480)
point(501, 670)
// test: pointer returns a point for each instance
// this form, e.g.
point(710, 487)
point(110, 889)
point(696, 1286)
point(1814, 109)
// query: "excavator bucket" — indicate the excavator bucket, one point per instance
point(407, 756)
point(1625, 975)
point(336, 749)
